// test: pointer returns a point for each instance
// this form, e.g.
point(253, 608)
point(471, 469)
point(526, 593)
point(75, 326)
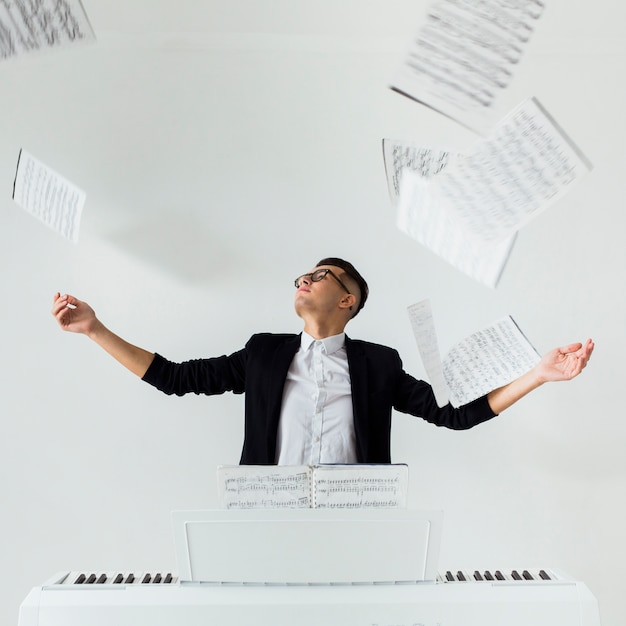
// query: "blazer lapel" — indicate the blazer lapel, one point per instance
point(283, 356)
point(357, 363)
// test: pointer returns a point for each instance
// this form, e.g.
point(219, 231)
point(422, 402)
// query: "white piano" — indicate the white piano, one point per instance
point(507, 598)
point(402, 544)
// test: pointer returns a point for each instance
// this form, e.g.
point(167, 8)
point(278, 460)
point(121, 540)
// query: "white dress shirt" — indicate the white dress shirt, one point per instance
point(316, 420)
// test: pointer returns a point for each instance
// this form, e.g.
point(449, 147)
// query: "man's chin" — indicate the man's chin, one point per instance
point(300, 305)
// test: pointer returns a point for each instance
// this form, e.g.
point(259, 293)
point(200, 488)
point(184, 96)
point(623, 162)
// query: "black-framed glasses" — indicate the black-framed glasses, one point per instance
point(318, 275)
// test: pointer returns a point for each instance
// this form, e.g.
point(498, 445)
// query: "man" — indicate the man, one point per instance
point(317, 397)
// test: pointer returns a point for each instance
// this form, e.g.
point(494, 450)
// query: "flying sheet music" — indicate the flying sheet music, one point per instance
point(423, 325)
point(423, 161)
point(470, 212)
point(483, 361)
point(465, 56)
point(410, 170)
point(48, 196)
point(28, 25)
point(526, 164)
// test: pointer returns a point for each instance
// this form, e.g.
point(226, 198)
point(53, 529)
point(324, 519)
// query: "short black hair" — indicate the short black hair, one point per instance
point(351, 271)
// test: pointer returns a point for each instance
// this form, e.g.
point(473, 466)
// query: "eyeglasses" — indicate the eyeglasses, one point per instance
point(318, 275)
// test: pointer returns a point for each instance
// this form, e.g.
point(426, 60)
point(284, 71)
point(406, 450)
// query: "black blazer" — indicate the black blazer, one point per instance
point(379, 384)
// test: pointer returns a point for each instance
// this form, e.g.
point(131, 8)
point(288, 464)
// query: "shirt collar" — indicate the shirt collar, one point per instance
point(331, 344)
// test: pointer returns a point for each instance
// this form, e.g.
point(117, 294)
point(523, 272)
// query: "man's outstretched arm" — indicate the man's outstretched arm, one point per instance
point(76, 316)
point(562, 363)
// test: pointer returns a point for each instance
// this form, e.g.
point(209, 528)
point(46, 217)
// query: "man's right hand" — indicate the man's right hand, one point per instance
point(76, 316)
point(73, 315)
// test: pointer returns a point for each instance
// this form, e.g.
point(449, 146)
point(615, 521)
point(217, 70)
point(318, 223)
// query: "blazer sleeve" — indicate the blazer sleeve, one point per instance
point(416, 397)
point(210, 376)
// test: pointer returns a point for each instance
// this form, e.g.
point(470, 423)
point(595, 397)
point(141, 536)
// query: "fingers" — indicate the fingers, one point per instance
point(62, 308)
point(59, 303)
point(65, 300)
point(581, 356)
point(587, 350)
point(578, 349)
point(571, 348)
point(584, 351)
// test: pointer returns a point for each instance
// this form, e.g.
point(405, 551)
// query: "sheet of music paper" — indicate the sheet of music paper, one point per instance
point(438, 228)
point(466, 54)
point(485, 360)
point(26, 26)
point(527, 164)
point(48, 196)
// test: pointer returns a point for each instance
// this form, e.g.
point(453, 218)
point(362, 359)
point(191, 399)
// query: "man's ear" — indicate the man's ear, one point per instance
point(348, 301)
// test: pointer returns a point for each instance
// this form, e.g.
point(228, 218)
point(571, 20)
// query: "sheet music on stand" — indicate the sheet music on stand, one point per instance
point(465, 56)
point(333, 486)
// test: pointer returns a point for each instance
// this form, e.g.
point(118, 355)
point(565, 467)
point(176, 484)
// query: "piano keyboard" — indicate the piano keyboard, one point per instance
point(159, 578)
point(495, 575)
point(118, 578)
point(515, 597)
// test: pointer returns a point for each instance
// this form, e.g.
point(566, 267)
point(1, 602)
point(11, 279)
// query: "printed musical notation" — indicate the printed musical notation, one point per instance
point(48, 196)
point(410, 171)
point(341, 488)
point(469, 213)
point(26, 26)
point(423, 326)
point(313, 486)
point(465, 56)
point(526, 164)
point(271, 487)
point(485, 360)
point(423, 161)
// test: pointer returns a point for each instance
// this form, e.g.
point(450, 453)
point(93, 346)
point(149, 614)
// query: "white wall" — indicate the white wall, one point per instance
point(218, 165)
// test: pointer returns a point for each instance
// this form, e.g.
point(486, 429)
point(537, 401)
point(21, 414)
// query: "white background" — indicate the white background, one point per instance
point(224, 148)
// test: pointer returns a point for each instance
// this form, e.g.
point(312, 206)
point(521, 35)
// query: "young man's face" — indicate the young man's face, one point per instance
point(320, 290)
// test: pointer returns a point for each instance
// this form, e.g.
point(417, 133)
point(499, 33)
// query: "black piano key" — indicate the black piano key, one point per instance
point(515, 575)
point(460, 576)
point(477, 575)
point(488, 575)
point(527, 575)
point(499, 575)
point(449, 576)
point(168, 579)
point(146, 578)
point(101, 579)
point(80, 580)
point(544, 575)
point(118, 579)
point(157, 578)
point(90, 579)
point(130, 579)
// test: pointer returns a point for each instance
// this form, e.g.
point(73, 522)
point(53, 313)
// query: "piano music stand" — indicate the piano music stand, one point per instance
point(307, 546)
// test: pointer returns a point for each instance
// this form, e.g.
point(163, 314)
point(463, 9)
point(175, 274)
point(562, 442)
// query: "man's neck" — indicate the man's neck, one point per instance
point(322, 329)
